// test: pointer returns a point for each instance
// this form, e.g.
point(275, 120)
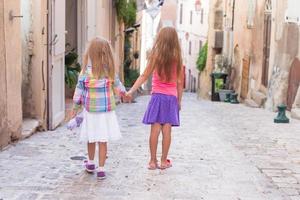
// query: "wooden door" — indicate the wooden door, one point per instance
point(266, 48)
point(56, 70)
point(245, 78)
point(294, 83)
point(11, 71)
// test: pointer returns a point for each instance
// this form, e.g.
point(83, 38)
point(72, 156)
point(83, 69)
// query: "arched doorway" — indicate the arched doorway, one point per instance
point(267, 42)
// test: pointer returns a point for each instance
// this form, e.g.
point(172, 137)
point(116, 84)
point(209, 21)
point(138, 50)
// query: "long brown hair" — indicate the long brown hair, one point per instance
point(165, 52)
point(100, 54)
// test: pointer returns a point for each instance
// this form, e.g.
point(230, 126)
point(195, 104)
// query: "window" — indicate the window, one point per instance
point(181, 13)
point(190, 48)
point(202, 15)
point(191, 17)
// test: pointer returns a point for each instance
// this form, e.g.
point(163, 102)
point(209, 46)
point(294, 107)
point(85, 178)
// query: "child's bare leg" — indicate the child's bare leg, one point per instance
point(153, 140)
point(102, 153)
point(166, 142)
point(91, 150)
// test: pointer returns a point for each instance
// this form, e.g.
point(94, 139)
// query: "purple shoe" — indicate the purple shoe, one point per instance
point(89, 167)
point(101, 175)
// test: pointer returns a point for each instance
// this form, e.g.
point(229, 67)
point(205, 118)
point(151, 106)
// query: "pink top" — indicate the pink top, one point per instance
point(168, 88)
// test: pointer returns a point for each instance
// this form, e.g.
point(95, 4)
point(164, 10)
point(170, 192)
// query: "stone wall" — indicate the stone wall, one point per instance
point(248, 44)
point(34, 59)
point(284, 51)
point(27, 53)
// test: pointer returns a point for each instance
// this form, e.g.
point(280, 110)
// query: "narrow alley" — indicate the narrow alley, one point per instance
point(236, 154)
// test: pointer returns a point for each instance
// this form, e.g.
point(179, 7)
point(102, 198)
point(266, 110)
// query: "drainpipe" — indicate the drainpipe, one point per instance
point(233, 7)
point(231, 45)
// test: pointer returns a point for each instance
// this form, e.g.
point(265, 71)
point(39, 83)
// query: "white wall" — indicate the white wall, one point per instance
point(196, 32)
point(148, 28)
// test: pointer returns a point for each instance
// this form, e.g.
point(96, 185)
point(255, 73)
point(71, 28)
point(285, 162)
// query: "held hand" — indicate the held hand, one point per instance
point(128, 97)
point(128, 94)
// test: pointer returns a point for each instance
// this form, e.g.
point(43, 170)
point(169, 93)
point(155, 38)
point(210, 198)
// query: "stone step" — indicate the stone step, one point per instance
point(251, 103)
point(259, 98)
point(29, 127)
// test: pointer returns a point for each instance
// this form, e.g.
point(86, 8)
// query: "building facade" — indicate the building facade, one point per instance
point(149, 19)
point(261, 42)
point(192, 26)
point(35, 36)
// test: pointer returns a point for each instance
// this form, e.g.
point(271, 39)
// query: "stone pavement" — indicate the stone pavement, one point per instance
point(221, 152)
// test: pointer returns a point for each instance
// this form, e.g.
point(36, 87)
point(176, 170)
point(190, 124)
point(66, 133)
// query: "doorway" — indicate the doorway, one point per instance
point(71, 23)
point(245, 78)
point(80, 18)
point(72, 50)
point(34, 63)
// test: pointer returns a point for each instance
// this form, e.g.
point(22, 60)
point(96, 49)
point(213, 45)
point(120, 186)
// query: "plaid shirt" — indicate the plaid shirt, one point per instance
point(96, 95)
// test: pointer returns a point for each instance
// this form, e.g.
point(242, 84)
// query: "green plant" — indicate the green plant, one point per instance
point(120, 8)
point(201, 61)
point(126, 11)
point(219, 84)
point(130, 77)
point(72, 69)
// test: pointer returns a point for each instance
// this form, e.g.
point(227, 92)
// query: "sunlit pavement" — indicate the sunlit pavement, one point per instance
point(221, 151)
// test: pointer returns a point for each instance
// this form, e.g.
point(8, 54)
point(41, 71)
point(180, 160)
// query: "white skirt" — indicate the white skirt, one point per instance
point(99, 127)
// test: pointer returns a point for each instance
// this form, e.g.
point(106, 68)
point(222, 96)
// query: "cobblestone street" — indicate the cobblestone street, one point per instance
point(221, 152)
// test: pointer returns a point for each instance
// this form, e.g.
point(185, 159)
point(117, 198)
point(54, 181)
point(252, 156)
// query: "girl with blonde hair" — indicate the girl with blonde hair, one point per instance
point(95, 92)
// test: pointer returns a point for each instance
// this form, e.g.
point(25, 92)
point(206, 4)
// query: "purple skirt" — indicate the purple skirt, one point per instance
point(162, 109)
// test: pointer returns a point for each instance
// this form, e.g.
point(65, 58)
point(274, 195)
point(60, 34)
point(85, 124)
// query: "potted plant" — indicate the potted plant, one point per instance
point(223, 66)
point(202, 57)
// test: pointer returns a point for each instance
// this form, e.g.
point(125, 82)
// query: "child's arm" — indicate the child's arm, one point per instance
point(77, 98)
point(180, 87)
point(119, 86)
point(142, 78)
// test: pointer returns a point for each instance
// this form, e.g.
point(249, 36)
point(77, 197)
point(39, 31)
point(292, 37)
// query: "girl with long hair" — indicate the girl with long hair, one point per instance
point(165, 64)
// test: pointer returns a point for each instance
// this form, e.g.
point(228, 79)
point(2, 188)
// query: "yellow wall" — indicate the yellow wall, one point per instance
point(11, 49)
point(4, 136)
